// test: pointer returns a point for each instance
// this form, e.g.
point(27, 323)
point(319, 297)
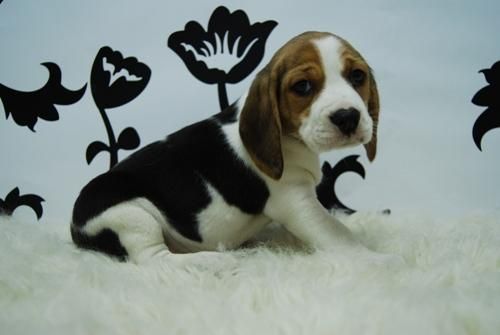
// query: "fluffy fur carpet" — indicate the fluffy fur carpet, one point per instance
point(449, 283)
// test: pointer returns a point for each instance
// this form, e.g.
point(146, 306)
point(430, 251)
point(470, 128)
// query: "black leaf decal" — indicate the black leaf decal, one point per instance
point(488, 96)
point(488, 120)
point(228, 39)
point(95, 148)
point(325, 191)
point(27, 107)
point(484, 97)
point(14, 200)
point(129, 139)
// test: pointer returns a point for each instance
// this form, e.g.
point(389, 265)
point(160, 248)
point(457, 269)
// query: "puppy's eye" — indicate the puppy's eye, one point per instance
point(302, 87)
point(357, 77)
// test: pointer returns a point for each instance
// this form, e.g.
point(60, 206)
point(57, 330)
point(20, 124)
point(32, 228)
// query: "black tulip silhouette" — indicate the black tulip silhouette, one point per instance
point(325, 191)
point(14, 200)
point(488, 96)
point(115, 81)
point(226, 52)
point(27, 107)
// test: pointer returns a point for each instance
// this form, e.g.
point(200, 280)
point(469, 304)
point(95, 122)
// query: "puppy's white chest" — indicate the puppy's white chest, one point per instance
point(224, 225)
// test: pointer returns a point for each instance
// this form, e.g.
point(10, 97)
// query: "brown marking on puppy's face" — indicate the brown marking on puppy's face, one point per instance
point(360, 75)
point(301, 82)
point(306, 82)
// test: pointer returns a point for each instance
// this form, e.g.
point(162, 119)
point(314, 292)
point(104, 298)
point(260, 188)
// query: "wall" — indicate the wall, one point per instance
point(426, 57)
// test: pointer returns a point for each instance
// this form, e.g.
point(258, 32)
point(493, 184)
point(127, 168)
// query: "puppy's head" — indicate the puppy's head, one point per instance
point(316, 88)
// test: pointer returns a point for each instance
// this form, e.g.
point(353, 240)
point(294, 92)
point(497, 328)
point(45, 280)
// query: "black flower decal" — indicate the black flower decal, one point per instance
point(488, 96)
point(14, 200)
point(27, 107)
point(229, 39)
point(115, 81)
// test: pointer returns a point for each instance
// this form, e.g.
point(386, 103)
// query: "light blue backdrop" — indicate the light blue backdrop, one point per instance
point(426, 56)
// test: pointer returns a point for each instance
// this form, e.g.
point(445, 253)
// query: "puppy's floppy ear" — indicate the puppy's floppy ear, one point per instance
point(260, 125)
point(373, 110)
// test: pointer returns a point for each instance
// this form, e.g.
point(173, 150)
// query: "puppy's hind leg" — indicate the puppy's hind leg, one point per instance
point(138, 225)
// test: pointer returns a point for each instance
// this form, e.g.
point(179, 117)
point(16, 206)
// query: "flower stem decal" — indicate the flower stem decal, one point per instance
point(115, 81)
point(488, 96)
point(14, 200)
point(227, 52)
point(27, 107)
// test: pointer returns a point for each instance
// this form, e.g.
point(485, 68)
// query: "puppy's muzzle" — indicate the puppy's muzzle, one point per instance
point(346, 120)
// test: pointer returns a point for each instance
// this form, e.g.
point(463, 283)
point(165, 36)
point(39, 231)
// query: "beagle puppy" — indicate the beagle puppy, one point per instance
point(216, 183)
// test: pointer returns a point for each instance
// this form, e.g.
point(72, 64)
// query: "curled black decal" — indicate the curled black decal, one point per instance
point(27, 107)
point(488, 96)
point(14, 200)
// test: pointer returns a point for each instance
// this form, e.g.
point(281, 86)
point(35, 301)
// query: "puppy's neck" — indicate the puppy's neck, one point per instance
point(298, 155)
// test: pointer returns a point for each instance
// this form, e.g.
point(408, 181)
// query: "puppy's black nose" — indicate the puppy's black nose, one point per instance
point(346, 120)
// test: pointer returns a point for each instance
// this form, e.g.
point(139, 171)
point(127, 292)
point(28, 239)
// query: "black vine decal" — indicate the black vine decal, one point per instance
point(27, 107)
point(325, 191)
point(14, 200)
point(488, 96)
point(115, 81)
point(227, 52)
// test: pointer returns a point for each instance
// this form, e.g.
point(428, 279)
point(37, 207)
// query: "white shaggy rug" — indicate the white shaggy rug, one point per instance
point(449, 284)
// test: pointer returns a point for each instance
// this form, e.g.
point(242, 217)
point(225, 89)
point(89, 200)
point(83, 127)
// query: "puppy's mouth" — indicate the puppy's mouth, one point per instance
point(344, 141)
point(323, 142)
point(326, 137)
point(361, 135)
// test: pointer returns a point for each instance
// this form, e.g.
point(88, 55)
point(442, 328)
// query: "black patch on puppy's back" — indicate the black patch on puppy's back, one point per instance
point(173, 173)
point(209, 156)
